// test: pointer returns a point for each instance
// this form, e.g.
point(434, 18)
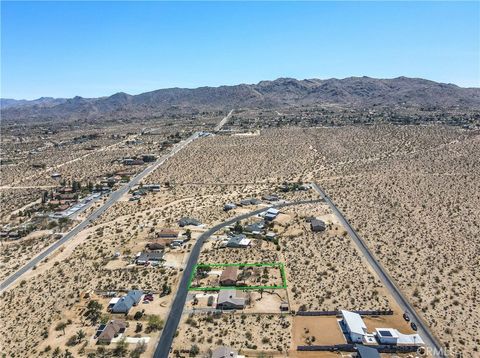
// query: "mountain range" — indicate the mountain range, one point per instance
point(357, 92)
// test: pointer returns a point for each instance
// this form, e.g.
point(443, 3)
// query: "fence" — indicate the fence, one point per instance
point(351, 348)
point(337, 313)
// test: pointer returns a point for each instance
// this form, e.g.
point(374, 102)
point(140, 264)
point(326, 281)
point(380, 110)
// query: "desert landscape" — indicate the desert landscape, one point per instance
point(409, 190)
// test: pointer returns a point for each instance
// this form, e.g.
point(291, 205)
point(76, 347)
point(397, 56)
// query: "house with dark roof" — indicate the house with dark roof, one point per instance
point(125, 303)
point(366, 352)
point(238, 241)
point(167, 234)
point(250, 201)
point(153, 258)
point(255, 228)
point(110, 331)
point(154, 247)
point(188, 221)
point(271, 214)
point(231, 299)
point(229, 206)
point(229, 276)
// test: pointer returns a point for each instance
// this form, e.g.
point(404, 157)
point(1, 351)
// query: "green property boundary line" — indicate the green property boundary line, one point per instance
point(278, 265)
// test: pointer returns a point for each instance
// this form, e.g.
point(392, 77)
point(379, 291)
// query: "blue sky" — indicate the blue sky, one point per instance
point(63, 49)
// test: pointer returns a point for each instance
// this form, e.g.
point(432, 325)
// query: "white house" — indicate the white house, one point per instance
point(393, 336)
point(355, 326)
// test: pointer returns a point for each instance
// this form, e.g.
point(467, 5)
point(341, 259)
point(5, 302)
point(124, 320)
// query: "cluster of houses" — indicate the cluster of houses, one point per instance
point(357, 332)
point(143, 190)
point(140, 160)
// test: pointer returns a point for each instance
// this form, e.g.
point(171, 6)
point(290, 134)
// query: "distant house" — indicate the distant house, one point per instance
point(271, 214)
point(167, 234)
point(56, 175)
point(131, 161)
point(270, 235)
point(229, 276)
point(153, 258)
point(231, 299)
point(110, 331)
point(125, 303)
point(366, 352)
point(224, 352)
point(155, 247)
point(270, 197)
point(229, 206)
point(317, 225)
point(238, 241)
point(284, 307)
point(250, 201)
point(188, 221)
point(255, 228)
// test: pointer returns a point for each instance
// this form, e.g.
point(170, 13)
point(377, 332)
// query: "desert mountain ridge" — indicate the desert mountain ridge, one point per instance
point(352, 92)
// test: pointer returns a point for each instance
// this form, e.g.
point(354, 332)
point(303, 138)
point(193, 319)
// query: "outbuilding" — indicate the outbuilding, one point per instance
point(317, 225)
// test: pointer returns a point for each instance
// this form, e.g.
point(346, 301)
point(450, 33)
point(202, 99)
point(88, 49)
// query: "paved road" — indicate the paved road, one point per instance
point(429, 339)
point(166, 339)
point(223, 121)
point(112, 199)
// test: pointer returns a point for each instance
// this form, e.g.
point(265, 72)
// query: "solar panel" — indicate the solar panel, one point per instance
point(386, 333)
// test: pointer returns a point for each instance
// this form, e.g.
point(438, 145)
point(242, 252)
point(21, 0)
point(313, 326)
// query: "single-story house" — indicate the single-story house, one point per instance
point(231, 299)
point(270, 197)
point(366, 352)
point(153, 258)
point(132, 298)
point(317, 225)
point(154, 247)
point(167, 234)
point(270, 235)
point(250, 201)
point(224, 352)
point(354, 325)
point(394, 337)
point(188, 221)
point(238, 241)
point(229, 206)
point(254, 228)
point(229, 276)
point(271, 214)
point(112, 330)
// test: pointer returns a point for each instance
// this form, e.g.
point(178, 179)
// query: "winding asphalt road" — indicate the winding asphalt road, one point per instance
point(166, 339)
point(430, 340)
point(112, 199)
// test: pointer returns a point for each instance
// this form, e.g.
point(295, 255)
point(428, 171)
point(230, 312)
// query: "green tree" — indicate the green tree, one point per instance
point(93, 312)
point(155, 323)
point(120, 349)
point(81, 335)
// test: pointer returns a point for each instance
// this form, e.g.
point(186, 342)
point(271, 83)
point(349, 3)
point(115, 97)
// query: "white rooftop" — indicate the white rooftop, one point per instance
point(402, 339)
point(354, 322)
